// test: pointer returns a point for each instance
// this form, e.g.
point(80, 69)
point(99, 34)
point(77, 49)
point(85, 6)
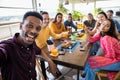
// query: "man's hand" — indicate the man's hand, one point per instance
point(52, 66)
point(53, 69)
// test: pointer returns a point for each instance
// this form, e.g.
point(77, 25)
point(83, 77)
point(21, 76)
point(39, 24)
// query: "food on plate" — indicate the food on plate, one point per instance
point(67, 44)
point(80, 34)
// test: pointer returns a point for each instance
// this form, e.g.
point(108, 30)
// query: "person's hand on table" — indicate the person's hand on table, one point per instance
point(64, 34)
point(53, 69)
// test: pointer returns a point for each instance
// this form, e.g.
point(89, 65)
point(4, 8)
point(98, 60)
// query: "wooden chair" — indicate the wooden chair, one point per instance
point(104, 74)
point(101, 74)
point(117, 77)
point(39, 73)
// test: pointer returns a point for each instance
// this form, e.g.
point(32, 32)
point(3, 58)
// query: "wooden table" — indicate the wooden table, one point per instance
point(75, 60)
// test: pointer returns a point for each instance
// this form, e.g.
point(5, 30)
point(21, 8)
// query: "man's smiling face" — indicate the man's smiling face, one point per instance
point(30, 29)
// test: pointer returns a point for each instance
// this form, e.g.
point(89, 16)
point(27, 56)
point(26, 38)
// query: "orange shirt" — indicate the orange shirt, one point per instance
point(44, 35)
point(55, 29)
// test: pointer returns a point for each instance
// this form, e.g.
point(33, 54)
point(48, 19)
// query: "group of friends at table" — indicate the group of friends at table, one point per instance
point(17, 55)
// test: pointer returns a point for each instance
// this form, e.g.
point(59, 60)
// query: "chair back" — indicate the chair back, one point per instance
point(39, 71)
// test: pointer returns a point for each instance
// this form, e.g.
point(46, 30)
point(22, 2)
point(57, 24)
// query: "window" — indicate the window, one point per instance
point(13, 10)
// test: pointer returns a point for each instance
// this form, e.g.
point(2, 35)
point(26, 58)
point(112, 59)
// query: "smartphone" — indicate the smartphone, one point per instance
point(98, 24)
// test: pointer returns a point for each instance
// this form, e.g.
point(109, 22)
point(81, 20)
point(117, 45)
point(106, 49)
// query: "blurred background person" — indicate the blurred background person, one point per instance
point(45, 32)
point(96, 50)
point(57, 26)
point(110, 16)
point(109, 43)
point(69, 22)
point(90, 22)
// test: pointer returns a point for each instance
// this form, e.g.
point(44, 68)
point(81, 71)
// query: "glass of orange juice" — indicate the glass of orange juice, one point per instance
point(54, 52)
point(65, 34)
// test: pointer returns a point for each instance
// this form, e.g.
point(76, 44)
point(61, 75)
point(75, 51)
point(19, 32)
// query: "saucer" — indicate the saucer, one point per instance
point(54, 55)
point(61, 52)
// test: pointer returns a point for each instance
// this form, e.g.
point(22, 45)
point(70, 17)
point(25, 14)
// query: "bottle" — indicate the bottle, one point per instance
point(50, 45)
point(73, 37)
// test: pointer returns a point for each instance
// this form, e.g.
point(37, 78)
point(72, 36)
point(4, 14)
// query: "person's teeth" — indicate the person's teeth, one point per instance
point(30, 36)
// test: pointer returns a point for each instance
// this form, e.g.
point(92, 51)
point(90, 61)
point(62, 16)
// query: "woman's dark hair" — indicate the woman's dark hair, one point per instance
point(32, 13)
point(103, 14)
point(90, 14)
point(111, 31)
point(55, 20)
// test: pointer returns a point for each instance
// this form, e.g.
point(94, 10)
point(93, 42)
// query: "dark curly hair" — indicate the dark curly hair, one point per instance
point(32, 13)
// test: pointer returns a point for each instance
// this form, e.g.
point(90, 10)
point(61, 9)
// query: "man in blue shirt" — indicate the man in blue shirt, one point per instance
point(69, 22)
point(110, 16)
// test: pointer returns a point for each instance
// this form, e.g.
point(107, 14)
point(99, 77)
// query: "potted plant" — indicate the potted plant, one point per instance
point(98, 10)
point(62, 9)
point(76, 15)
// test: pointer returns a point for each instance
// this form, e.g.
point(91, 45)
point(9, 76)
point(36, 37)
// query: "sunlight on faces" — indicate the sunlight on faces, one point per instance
point(105, 26)
point(101, 18)
point(30, 29)
point(45, 20)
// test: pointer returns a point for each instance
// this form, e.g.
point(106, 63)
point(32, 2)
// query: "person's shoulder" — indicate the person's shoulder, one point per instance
point(107, 37)
point(66, 21)
point(94, 20)
point(7, 43)
point(36, 48)
point(51, 23)
point(62, 24)
point(114, 20)
point(85, 21)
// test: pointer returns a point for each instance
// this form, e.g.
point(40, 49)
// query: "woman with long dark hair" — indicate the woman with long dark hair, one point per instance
point(110, 45)
point(96, 50)
point(57, 26)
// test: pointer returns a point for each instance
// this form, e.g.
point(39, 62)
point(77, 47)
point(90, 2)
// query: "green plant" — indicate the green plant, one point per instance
point(62, 9)
point(76, 15)
point(97, 10)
